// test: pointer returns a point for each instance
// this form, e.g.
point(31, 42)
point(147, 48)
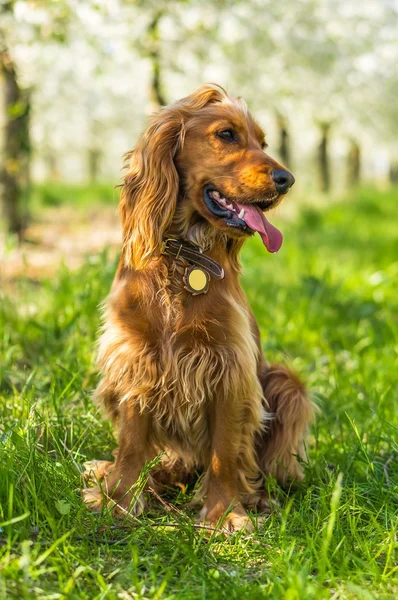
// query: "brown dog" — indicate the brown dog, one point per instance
point(182, 366)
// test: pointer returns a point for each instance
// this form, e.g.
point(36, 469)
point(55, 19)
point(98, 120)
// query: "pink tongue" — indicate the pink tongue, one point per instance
point(254, 217)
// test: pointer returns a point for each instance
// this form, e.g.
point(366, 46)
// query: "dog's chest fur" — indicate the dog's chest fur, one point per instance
point(183, 356)
point(203, 361)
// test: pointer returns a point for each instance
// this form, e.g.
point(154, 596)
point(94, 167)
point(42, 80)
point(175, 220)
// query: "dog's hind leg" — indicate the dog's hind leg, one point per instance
point(280, 446)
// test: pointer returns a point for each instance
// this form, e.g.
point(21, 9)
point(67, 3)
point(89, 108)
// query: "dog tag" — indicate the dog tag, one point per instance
point(196, 280)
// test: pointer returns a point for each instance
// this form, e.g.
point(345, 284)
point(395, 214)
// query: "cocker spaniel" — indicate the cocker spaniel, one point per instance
point(183, 371)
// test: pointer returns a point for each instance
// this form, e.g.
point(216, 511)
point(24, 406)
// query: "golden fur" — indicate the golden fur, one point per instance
point(186, 374)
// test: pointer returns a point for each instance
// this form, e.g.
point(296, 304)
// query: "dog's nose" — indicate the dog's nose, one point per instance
point(283, 180)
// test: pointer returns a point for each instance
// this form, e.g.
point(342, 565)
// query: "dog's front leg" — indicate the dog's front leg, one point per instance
point(222, 504)
point(118, 485)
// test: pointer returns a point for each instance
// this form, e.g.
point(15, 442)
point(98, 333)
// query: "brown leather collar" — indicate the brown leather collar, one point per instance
point(193, 254)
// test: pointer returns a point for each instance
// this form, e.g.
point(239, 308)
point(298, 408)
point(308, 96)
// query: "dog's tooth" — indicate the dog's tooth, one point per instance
point(223, 201)
point(241, 214)
point(230, 207)
point(216, 195)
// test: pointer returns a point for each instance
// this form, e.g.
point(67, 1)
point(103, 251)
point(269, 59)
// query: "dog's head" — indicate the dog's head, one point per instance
point(201, 160)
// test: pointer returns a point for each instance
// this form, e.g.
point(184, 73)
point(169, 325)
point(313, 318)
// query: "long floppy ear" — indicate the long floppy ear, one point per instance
point(149, 193)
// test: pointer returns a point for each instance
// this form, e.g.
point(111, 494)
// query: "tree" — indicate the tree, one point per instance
point(15, 172)
point(323, 156)
point(157, 94)
point(284, 139)
point(14, 175)
point(16, 155)
point(353, 163)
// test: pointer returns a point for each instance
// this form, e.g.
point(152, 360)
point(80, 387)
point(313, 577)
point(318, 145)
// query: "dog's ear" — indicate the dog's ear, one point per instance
point(149, 193)
point(150, 189)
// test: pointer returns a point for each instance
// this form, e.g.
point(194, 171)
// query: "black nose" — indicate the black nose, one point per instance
point(283, 180)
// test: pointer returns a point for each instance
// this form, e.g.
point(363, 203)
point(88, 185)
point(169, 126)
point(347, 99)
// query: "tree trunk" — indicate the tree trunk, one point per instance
point(323, 157)
point(284, 140)
point(15, 170)
point(94, 158)
point(157, 95)
point(394, 172)
point(354, 164)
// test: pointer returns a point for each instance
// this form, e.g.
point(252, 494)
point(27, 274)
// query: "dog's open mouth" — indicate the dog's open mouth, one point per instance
point(247, 217)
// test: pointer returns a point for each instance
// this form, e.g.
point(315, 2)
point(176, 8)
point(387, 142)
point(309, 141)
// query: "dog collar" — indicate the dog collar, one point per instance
point(197, 276)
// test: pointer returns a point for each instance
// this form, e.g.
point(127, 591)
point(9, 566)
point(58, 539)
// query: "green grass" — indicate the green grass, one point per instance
point(53, 194)
point(328, 304)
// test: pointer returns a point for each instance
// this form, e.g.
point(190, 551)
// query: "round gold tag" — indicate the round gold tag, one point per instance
point(196, 280)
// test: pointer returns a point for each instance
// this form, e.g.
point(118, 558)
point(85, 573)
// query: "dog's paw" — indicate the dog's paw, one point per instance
point(121, 506)
point(236, 520)
point(95, 470)
point(93, 497)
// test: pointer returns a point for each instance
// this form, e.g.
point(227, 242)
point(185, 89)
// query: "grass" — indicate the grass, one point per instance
point(53, 194)
point(327, 304)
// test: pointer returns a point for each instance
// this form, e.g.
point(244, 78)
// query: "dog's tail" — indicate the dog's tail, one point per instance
point(281, 445)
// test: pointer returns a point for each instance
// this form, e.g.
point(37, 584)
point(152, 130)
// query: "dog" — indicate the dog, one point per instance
point(183, 371)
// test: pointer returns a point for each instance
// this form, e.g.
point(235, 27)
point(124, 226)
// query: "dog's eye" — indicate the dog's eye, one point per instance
point(227, 134)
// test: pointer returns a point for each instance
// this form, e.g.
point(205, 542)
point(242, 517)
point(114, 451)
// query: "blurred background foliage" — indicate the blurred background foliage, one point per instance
point(78, 80)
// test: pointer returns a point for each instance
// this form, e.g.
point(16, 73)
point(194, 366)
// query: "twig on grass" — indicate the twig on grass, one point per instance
point(169, 507)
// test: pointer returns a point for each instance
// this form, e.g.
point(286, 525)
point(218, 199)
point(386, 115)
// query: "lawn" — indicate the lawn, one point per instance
point(328, 305)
